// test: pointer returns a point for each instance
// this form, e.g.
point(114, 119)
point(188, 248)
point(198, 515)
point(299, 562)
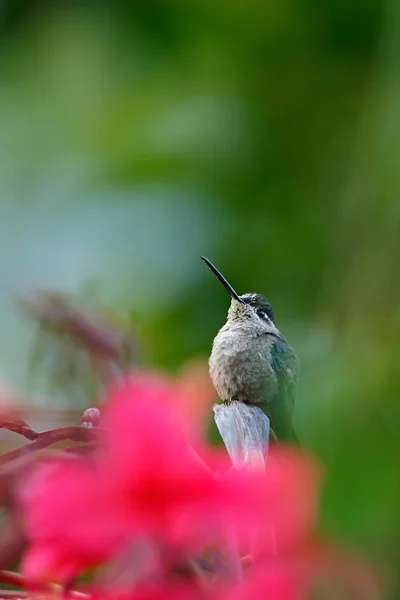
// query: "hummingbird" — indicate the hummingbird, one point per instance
point(251, 361)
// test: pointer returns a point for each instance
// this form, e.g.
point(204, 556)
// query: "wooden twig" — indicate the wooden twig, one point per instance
point(245, 430)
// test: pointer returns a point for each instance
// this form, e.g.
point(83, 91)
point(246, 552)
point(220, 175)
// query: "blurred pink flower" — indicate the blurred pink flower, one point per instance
point(177, 590)
point(272, 581)
point(291, 494)
point(145, 481)
point(193, 397)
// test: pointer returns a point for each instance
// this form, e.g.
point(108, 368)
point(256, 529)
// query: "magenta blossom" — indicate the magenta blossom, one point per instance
point(144, 481)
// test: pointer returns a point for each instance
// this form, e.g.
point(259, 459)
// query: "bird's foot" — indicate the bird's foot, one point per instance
point(229, 401)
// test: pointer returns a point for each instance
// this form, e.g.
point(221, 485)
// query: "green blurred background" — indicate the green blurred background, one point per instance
point(265, 134)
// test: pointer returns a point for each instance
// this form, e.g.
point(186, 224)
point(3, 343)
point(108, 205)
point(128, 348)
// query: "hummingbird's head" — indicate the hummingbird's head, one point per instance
point(251, 310)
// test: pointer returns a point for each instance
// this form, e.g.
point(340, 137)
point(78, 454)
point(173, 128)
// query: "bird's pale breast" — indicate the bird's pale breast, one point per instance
point(240, 368)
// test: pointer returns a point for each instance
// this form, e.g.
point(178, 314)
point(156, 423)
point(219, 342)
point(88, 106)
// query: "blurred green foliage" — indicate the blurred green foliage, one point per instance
point(136, 136)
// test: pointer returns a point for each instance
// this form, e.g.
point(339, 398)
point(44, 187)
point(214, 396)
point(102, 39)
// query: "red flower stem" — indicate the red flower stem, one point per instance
point(236, 563)
point(12, 578)
point(76, 433)
point(19, 426)
point(19, 580)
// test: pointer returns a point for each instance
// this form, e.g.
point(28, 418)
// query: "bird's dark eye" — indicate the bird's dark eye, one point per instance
point(261, 313)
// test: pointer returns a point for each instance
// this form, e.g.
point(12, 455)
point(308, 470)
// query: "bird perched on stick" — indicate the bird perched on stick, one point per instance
point(251, 361)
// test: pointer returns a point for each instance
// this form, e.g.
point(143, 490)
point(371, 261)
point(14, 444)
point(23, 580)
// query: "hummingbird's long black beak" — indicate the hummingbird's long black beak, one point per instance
point(222, 279)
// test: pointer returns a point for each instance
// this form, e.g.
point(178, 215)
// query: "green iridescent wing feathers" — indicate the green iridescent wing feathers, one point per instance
point(286, 366)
